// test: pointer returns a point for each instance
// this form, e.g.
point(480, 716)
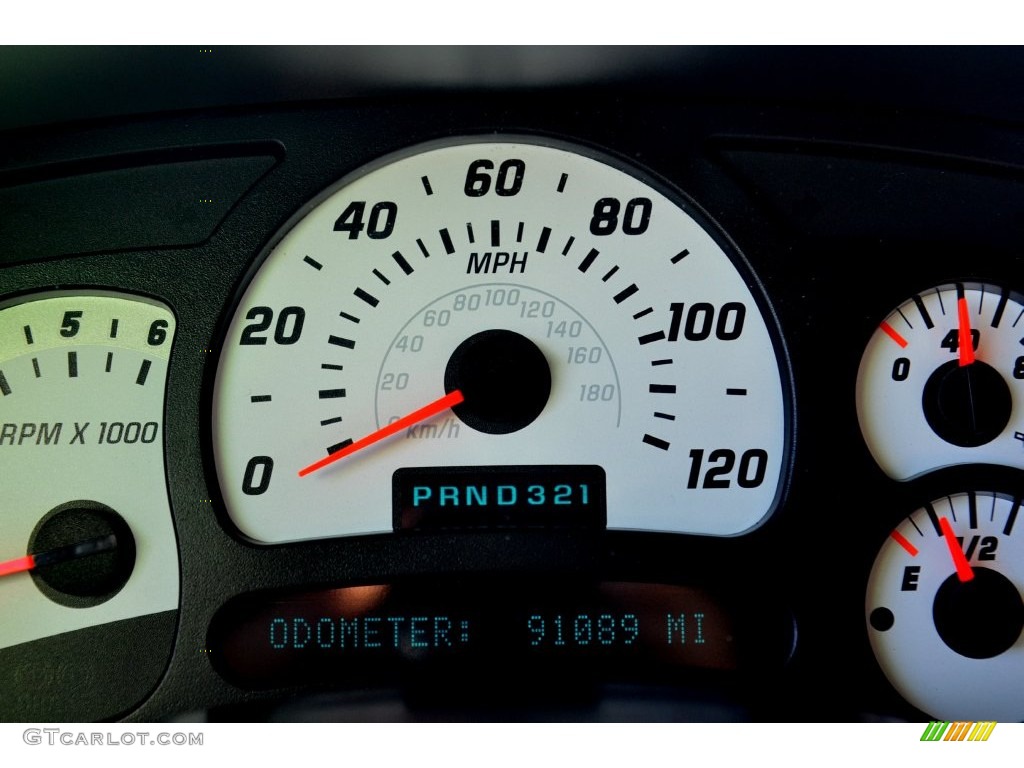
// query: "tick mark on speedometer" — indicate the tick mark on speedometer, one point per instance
point(338, 446)
point(28, 335)
point(469, 233)
point(405, 266)
point(369, 298)
point(259, 399)
point(423, 248)
point(680, 256)
point(657, 442)
point(495, 233)
point(72, 365)
point(313, 263)
point(5, 388)
point(35, 365)
point(519, 232)
point(625, 293)
point(643, 313)
point(143, 372)
point(588, 260)
point(341, 342)
point(568, 245)
point(347, 316)
point(113, 328)
point(426, 185)
point(736, 391)
point(561, 182)
point(648, 338)
point(663, 389)
point(446, 240)
point(609, 274)
point(545, 233)
point(328, 422)
point(329, 393)
point(381, 276)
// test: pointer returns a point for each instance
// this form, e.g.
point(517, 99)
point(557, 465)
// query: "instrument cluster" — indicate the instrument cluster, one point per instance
point(588, 400)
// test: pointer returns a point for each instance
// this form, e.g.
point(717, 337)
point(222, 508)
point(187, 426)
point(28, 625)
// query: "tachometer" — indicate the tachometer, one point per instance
point(499, 332)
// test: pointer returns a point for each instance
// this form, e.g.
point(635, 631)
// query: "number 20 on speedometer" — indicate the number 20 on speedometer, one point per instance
point(504, 331)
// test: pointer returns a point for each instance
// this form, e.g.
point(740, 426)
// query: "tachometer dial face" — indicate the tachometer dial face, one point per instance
point(945, 608)
point(942, 382)
point(89, 563)
point(500, 330)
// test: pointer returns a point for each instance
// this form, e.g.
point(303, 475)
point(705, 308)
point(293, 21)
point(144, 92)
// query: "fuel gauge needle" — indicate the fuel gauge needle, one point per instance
point(422, 414)
point(964, 572)
point(59, 555)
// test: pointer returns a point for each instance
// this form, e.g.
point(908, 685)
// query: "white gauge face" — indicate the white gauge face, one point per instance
point(926, 401)
point(595, 329)
point(945, 610)
point(82, 383)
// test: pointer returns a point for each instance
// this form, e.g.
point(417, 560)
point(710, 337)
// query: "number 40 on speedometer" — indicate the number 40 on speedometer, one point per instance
point(455, 328)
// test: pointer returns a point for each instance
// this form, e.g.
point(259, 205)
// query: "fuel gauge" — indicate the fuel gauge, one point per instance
point(944, 608)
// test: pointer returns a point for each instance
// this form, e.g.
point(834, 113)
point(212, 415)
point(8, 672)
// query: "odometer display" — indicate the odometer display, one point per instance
point(529, 632)
point(574, 312)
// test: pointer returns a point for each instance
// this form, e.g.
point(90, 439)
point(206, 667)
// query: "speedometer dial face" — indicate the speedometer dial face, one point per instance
point(499, 332)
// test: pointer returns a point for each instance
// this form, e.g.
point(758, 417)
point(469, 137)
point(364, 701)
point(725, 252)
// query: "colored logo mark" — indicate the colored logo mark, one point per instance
point(945, 731)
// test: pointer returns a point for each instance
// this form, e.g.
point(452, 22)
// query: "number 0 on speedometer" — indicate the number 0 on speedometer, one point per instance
point(499, 333)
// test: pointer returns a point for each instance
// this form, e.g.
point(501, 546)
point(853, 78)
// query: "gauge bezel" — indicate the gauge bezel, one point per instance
point(590, 151)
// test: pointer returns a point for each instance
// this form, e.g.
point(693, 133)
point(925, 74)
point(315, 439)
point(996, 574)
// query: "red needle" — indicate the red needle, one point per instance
point(17, 565)
point(59, 555)
point(964, 571)
point(426, 412)
point(966, 341)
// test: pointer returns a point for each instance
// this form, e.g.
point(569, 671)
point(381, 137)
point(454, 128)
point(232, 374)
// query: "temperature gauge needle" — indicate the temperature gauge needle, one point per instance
point(964, 572)
point(966, 340)
point(59, 555)
point(426, 412)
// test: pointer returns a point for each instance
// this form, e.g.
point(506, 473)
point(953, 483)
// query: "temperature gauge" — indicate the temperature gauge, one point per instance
point(942, 382)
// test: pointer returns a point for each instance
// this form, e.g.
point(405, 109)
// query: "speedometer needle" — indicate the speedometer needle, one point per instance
point(964, 572)
point(426, 412)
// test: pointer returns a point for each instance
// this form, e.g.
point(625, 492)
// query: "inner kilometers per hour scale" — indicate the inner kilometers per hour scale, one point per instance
point(472, 307)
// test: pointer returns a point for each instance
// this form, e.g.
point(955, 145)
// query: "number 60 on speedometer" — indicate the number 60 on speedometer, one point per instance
point(501, 332)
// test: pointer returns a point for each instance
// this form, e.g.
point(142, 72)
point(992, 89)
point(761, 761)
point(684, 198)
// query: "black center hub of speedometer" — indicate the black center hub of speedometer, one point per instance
point(504, 378)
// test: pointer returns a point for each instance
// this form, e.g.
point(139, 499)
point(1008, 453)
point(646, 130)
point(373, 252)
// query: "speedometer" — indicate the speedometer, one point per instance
point(499, 332)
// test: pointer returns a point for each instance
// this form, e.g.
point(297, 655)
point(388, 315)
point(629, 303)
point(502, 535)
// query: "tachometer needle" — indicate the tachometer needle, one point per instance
point(964, 572)
point(426, 412)
point(59, 555)
point(966, 340)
